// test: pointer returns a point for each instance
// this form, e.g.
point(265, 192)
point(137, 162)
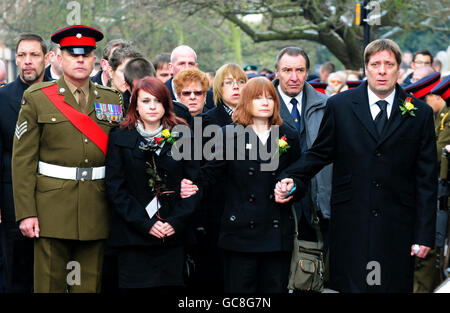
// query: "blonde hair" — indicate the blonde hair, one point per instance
point(227, 69)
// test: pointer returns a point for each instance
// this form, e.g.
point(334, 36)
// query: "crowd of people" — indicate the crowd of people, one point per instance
point(94, 198)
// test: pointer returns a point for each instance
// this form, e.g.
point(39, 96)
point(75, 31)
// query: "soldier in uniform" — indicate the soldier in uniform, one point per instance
point(58, 168)
point(426, 272)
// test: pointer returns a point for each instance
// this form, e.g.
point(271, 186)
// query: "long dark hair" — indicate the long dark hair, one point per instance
point(159, 90)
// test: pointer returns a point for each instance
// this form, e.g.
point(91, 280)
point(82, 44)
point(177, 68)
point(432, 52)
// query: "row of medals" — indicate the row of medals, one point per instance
point(109, 112)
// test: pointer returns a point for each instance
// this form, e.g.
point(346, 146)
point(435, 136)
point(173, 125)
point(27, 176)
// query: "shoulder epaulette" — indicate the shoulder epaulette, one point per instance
point(105, 87)
point(39, 86)
point(111, 89)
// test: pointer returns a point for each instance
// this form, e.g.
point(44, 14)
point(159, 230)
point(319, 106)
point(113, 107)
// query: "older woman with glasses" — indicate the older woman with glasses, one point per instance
point(336, 83)
point(191, 86)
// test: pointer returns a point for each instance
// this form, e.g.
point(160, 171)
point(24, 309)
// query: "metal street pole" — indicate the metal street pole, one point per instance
point(366, 28)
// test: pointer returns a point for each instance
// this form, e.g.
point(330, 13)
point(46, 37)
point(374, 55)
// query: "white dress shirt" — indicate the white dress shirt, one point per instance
point(287, 100)
point(374, 108)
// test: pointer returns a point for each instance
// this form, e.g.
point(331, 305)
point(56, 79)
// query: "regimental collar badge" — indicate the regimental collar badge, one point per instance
point(108, 112)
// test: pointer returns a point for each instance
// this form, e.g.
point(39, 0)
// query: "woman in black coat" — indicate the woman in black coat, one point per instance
point(228, 83)
point(256, 234)
point(140, 172)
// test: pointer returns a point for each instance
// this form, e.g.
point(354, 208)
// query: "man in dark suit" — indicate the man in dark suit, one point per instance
point(302, 108)
point(17, 250)
point(102, 77)
point(382, 146)
point(183, 57)
point(53, 71)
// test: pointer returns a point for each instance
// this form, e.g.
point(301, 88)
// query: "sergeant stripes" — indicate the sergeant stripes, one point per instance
point(21, 129)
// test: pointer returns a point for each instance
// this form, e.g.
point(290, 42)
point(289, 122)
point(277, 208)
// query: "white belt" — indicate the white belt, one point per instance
point(74, 173)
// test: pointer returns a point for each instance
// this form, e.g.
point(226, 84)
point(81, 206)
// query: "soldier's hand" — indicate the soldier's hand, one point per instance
point(187, 188)
point(30, 227)
point(422, 253)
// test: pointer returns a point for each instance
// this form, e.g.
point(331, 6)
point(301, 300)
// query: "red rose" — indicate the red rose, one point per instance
point(159, 140)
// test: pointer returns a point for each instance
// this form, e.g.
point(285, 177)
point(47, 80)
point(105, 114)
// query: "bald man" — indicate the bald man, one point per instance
point(183, 57)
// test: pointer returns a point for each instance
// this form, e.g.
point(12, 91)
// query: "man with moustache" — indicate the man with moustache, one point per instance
point(381, 143)
point(58, 168)
point(31, 57)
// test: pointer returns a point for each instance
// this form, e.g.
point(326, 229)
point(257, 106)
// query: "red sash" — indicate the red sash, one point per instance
point(80, 120)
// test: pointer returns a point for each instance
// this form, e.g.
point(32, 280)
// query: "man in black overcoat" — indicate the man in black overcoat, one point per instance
point(31, 57)
point(383, 203)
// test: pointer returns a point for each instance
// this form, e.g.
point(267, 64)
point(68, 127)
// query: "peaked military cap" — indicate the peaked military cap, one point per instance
point(318, 86)
point(354, 83)
point(77, 39)
point(423, 87)
point(250, 67)
point(442, 89)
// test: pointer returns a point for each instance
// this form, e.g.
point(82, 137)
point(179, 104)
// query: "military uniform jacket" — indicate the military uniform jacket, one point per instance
point(442, 127)
point(67, 209)
point(252, 221)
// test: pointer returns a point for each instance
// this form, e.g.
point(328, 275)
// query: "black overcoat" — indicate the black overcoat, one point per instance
point(10, 104)
point(129, 193)
point(252, 221)
point(384, 189)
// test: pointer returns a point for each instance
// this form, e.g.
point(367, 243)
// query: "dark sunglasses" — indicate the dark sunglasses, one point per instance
point(197, 93)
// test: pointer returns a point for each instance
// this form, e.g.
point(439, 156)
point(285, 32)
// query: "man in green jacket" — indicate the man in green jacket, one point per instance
point(58, 168)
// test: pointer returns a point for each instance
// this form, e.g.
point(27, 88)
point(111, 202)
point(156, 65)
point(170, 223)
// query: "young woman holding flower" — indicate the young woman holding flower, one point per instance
point(140, 168)
point(256, 234)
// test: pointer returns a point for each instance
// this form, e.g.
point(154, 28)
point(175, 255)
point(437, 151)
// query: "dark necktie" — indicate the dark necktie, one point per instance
point(381, 118)
point(294, 113)
point(81, 99)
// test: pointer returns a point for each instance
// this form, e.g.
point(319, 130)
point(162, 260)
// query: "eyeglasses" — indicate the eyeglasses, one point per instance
point(333, 81)
point(230, 83)
point(197, 93)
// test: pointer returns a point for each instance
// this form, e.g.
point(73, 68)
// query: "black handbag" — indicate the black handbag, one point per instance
point(307, 264)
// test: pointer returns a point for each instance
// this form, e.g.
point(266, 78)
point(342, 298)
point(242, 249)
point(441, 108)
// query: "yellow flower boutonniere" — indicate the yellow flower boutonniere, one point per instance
point(168, 136)
point(283, 145)
point(408, 107)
